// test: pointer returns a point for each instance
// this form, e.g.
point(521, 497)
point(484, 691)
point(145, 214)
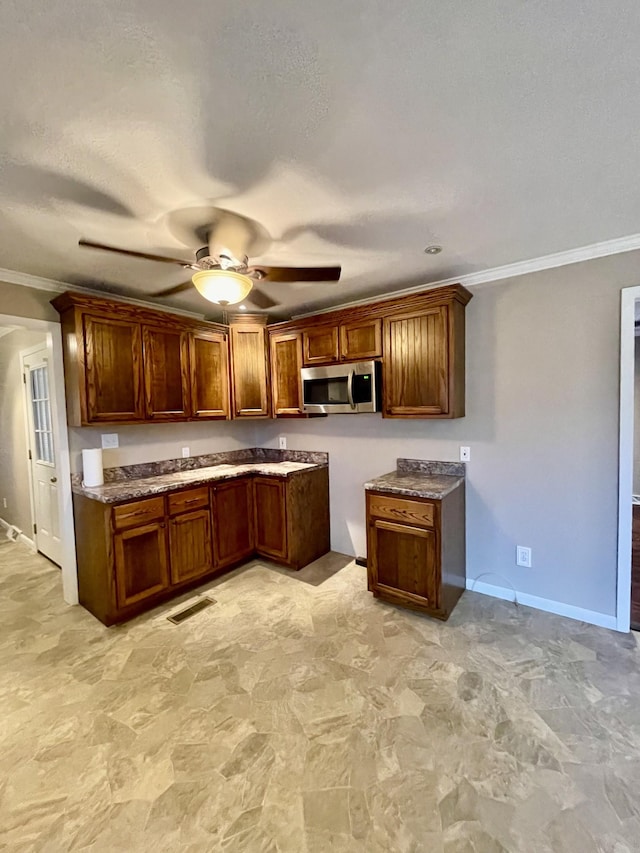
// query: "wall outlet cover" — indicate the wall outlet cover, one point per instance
point(282, 442)
point(186, 453)
point(523, 556)
point(465, 454)
point(110, 440)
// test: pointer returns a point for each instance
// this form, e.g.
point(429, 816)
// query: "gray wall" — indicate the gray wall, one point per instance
point(14, 471)
point(160, 441)
point(636, 421)
point(20, 301)
point(542, 423)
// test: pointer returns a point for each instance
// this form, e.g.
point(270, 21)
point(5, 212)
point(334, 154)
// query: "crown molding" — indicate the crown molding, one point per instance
point(53, 286)
point(617, 246)
point(35, 281)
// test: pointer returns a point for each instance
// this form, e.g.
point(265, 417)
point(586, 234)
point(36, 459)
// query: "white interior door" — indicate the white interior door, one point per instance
point(42, 454)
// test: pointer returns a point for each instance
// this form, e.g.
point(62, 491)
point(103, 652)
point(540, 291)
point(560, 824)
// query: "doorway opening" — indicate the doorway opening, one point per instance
point(35, 483)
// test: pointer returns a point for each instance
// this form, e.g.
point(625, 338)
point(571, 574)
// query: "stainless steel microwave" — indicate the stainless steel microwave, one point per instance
point(342, 389)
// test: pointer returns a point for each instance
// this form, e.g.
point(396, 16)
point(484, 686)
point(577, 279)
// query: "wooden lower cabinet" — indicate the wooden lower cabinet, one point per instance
point(270, 516)
point(232, 504)
point(190, 550)
point(135, 555)
point(416, 550)
point(141, 563)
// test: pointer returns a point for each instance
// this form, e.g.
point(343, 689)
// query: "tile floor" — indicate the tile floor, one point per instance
point(299, 715)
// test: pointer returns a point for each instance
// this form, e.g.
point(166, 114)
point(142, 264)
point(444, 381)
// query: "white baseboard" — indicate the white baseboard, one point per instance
point(21, 537)
point(28, 542)
point(602, 620)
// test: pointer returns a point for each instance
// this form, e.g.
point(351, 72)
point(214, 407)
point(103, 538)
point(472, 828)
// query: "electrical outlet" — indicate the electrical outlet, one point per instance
point(4, 502)
point(186, 453)
point(282, 442)
point(523, 556)
point(465, 454)
point(109, 440)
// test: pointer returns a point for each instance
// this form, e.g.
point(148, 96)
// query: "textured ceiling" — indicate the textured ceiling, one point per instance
point(358, 132)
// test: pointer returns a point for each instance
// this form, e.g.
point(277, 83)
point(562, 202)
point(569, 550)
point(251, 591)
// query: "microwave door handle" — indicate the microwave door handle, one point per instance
point(350, 388)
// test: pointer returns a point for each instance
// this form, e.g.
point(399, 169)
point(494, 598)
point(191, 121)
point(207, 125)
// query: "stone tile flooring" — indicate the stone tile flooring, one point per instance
point(299, 715)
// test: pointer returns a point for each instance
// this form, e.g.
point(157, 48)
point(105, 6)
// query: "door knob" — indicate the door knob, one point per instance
point(54, 480)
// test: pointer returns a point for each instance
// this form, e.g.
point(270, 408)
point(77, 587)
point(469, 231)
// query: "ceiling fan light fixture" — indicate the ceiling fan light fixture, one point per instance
point(222, 286)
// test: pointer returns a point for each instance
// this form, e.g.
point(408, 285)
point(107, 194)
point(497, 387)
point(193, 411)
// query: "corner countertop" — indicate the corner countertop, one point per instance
point(420, 478)
point(159, 484)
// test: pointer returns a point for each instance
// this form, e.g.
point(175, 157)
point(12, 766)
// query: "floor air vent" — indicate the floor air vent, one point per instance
point(199, 605)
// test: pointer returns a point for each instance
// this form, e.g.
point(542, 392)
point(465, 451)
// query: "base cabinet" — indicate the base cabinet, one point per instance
point(141, 563)
point(270, 517)
point(135, 555)
point(190, 549)
point(416, 550)
point(232, 504)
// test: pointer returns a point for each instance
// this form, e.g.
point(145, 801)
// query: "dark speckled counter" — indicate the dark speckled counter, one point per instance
point(420, 478)
point(158, 478)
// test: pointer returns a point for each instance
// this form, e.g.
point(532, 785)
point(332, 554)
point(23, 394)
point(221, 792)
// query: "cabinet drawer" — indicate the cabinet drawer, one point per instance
point(189, 499)
point(402, 510)
point(138, 512)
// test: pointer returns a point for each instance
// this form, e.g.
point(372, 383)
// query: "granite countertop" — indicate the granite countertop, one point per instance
point(420, 478)
point(159, 484)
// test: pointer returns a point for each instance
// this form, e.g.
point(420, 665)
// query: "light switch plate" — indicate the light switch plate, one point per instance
point(109, 440)
point(282, 442)
point(186, 453)
point(465, 454)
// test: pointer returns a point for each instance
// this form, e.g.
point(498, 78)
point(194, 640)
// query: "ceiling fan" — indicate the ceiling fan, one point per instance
point(221, 269)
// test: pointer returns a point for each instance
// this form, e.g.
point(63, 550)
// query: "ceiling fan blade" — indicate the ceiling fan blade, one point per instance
point(171, 291)
point(264, 273)
point(219, 229)
point(89, 244)
point(260, 299)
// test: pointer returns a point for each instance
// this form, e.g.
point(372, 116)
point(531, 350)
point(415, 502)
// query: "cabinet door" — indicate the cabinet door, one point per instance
point(166, 373)
point(320, 345)
point(270, 516)
point(286, 384)
point(113, 354)
point(361, 339)
point(233, 521)
point(190, 545)
point(402, 563)
point(249, 368)
point(141, 563)
point(416, 365)
point(209, 367)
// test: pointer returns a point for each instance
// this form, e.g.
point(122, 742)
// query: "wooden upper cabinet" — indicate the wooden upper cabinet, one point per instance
point(130, 364)
point(416, 364)
point(320, 345)
point(249, 357)
point(113, 370)
point(350, 341)
point(209, 370)
point(166, 373)
point(361, 339)
point(286, 384)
